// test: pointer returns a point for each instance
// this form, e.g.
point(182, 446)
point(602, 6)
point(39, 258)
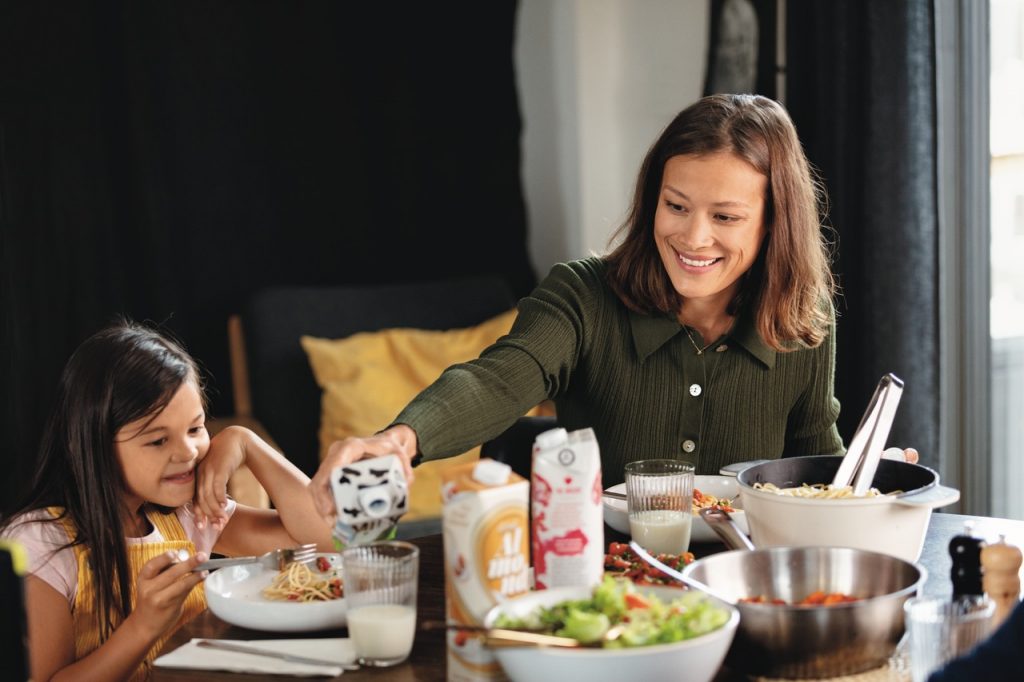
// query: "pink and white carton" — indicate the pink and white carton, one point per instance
point(567, 516)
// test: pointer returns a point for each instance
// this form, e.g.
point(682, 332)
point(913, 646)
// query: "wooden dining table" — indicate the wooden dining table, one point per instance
point(428, 658)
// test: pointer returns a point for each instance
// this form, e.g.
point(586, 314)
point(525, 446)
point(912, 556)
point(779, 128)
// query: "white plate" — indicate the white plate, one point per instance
point(233, 594)
point(616, 516)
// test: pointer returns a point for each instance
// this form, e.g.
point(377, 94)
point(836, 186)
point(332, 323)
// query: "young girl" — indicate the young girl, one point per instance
point(128, 497)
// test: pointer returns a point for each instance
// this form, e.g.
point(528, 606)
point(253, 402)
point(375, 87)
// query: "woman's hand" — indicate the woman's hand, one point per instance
point(901, 454)
point(226, 454)
point(398, 440)
point(161, 588)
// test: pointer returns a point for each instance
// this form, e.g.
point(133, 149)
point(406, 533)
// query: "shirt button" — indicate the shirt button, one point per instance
point(694, 390)
point(722, 348)
point(689, 446)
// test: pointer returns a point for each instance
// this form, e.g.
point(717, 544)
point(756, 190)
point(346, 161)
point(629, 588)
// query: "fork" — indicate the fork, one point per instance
point(275, 559)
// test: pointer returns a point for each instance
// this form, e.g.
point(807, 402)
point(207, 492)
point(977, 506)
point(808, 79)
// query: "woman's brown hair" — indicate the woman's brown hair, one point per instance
point(790, 285)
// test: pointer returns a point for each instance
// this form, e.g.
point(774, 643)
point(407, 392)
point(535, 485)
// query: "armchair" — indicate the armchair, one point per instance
point(275, 391)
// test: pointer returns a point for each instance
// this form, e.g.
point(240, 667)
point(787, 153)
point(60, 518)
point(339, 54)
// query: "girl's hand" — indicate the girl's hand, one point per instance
point(161, 588)
point(398, 440)
point(226, 454)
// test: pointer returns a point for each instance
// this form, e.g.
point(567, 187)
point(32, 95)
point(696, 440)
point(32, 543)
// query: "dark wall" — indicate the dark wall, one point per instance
point(165, 160)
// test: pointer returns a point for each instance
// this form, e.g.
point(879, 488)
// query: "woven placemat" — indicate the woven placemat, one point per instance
point(886, 673)
point(896, 670)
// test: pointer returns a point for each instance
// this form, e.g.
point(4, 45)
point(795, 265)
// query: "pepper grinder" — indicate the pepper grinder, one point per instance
point(1000, 564)
point(965, 551)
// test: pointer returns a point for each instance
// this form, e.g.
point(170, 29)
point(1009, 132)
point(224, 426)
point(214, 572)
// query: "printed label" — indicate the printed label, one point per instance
point(568, 519)
point(487, 560)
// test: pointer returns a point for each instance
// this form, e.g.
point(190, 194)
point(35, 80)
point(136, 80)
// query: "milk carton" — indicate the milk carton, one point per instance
point(370, 496)
point(568, 519)
point(486, 556)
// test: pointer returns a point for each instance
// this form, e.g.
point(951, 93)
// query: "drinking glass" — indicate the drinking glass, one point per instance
point(659, 496)
point(942, 629)
point(380, 582)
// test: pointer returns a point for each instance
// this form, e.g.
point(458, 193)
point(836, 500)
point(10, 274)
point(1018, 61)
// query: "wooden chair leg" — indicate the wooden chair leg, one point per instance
point(243, 486)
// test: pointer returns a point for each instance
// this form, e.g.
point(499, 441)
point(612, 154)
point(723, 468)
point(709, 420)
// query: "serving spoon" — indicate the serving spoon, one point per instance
point(506, 637)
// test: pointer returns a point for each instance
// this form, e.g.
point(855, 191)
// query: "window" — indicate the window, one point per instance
point(1006, 255)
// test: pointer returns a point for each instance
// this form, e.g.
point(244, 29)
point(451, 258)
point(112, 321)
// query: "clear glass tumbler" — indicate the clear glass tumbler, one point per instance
point(659, 496)
point(941, 629)
point(380, 581)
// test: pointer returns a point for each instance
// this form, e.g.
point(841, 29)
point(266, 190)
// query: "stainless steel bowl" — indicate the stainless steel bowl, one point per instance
point(808, 642)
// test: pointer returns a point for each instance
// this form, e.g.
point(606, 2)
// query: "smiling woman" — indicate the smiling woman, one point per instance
point(705, 335)
point(709, 227)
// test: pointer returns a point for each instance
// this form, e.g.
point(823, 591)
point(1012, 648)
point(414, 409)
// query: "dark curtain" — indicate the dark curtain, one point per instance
point(166, 159)
point(741, 47)
point(861, 90)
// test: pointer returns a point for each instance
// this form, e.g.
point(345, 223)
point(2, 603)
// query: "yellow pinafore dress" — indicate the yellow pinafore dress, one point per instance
point(83, 611)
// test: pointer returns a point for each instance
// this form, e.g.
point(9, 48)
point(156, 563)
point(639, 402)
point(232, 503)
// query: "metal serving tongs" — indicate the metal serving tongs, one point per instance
point(861, 460)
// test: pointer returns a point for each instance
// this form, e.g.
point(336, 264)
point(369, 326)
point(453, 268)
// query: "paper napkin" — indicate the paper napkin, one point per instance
point(338, 650)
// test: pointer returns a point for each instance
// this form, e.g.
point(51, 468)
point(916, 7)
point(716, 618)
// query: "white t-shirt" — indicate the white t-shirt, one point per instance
point(60, 569)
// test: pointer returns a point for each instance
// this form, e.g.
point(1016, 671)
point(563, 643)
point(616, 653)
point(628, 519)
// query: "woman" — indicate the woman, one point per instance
point(705, 335)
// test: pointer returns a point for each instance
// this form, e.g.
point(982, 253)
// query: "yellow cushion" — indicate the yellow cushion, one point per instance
point(367, 379)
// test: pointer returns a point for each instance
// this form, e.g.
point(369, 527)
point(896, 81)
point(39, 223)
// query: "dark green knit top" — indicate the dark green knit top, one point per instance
point(637, 380)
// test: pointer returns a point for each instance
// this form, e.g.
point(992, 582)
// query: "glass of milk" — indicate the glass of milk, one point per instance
point(380, 582)
point(659, 495)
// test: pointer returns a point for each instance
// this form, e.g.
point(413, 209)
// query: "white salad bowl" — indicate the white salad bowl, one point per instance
point(233, 594)
point(616, 514)
point(696, 660)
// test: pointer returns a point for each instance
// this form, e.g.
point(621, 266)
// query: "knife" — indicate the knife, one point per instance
point(256, 651)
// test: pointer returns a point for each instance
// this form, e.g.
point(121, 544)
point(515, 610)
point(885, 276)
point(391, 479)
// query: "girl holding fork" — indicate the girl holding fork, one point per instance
point(128, 497)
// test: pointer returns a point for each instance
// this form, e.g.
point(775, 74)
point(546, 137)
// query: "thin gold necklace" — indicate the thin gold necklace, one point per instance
point(700, 351)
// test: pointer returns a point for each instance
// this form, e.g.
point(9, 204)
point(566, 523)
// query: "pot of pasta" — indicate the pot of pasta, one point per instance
point(791, 503)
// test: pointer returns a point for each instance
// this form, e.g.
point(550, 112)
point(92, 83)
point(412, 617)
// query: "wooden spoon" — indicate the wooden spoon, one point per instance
point(498, 637)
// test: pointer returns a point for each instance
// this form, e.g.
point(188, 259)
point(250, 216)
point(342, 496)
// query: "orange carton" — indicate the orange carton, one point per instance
point(486, 555)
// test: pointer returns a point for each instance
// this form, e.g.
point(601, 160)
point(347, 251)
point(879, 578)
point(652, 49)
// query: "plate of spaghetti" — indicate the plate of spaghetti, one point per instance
point(301, 598)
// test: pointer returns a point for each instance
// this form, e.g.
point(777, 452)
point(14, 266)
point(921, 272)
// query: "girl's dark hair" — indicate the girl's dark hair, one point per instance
point(123, 373)
point(790, 285)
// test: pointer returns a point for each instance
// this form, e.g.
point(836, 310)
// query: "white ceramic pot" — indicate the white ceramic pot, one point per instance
point(894, 524)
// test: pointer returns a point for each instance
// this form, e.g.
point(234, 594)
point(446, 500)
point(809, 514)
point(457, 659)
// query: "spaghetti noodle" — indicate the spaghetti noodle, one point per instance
point(820, 491)
point(298, 582)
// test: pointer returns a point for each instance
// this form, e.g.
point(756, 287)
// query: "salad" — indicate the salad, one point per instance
point(646, 619)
